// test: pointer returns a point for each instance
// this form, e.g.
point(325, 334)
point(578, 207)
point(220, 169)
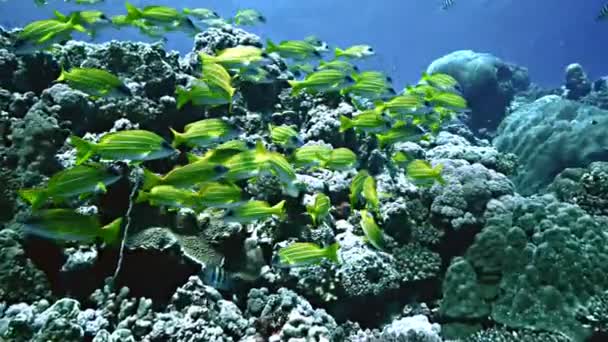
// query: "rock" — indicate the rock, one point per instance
point(487, 82)
point(577, 83)
point(549, 135)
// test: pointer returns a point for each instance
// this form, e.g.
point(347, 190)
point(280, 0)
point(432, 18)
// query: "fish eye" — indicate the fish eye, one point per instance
point(250, 144)
point(370, 49)
point(317, 53)
point(389, 79)
point(215, 14)
point(229, 213)
point(349, 79)
point(392, 91)
point(264, 55)
point(593, 122)
point(356, 68)
point(427, 103)
point(220, 169)
point(166, 145)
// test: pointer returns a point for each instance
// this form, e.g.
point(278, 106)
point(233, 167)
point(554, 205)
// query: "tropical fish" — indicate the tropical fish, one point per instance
point(145, 26)
point(201, 94)
point(368, 121)
point(449, 100)
point(169, 196)
point(446, 4)
point(340, 159)
point(185, 176)
point(285, 136)
point(341, 65)
point(356, 187)
point(311, 155)
point(422, 173)
point(222, 152)
point(298, 69)
point(278, 165)
point(370, 193)
point(253, 211)
point(42, 34)
point(204, 133)
point(306, 253)
point(83, 17)
point(217, 277)
point(373, 233)
point(133, 145)
point(372, 75)
point(87, 2)
point(246, 164)
point(294, 49)
point(248, 17)
point(201, 13)
point(370, 89)
point(219, 195)
point(401, 158)
point(403, 105)
point(96, 82)
point(70, 225)
point(241, 56)
point(440, 80)
point(79, 180)
point(319, 209)
point(169, 17)
point(400, 132)
point(355, 51)
point(215, 75)
point(322, 81)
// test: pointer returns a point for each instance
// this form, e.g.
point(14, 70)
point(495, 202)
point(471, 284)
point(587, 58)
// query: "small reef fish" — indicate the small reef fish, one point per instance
point(311, 155)
point(294, 49)
point(370, 89)
point(371, 194)
point(341, 65)
point(401, 158)
point(306, 253)
point(422, 173)
point(246, 164)
point(248, 17)
point(222, 152)
point(254, 210)
point(217, 277)
point(278, 165)
point(241, 56)
point(449, 100)
point(79, 180)
point(322, 81)
point(169, 196)
point(204, 133)
point(355, 52)
point(402, 105)
point(285, 136)
point(319, 209)
point(373, 233)
point(167, 17)
point(201, 13)
point(93, 81)
point(446, 4)
point(303, 68)
point(400, 132)
point(219, 195)
point(440, 80)
point(70, 225)
point(201, 94)
point(356, 187)
point(340, 159)
point(185, 176)
point(368, 121)
point(215, 76)
point(133, 145)
point(42, 34)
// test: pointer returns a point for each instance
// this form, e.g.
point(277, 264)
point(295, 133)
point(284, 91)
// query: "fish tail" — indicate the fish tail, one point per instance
point(259, 148)
point(279, 209)
point(132, 11)
point(331, 252)
point(339, 52)
point(84, 149)
point(35, 197)
point(110, 233)
point(270, 46)
point(142, 197)
point(313, 215)
point(178, 138)
point(438, 176)
point(151, 179)
point(183, 97)
point(345, 123)
point(296, 86)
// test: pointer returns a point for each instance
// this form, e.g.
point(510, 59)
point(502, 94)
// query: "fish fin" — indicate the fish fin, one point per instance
point(270, 46)
point(332, 252)
point(132, 11)
point(35, 197)
point(151, 179)
point(310, 209)
point(339, 52)
point(142, 197)
point(439, 178)
point(178, 138)
point(279, 209)
point(60, 15)
point(84, 149)
point(345, 123)
point(382, 140)
point(110, 233)
point(101, 187)
point(183, 97)
point(296, 86)
point(192, 157)
point(259, 148)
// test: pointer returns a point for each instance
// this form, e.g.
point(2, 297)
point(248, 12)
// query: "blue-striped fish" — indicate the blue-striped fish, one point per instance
point(447, 4)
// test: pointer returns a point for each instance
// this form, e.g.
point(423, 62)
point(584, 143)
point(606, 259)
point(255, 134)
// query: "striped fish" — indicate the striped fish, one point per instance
point(603, 13)
point(306, 253)
point(447, 4)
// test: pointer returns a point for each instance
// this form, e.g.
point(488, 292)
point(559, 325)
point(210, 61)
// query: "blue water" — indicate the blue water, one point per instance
point(542, 35)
